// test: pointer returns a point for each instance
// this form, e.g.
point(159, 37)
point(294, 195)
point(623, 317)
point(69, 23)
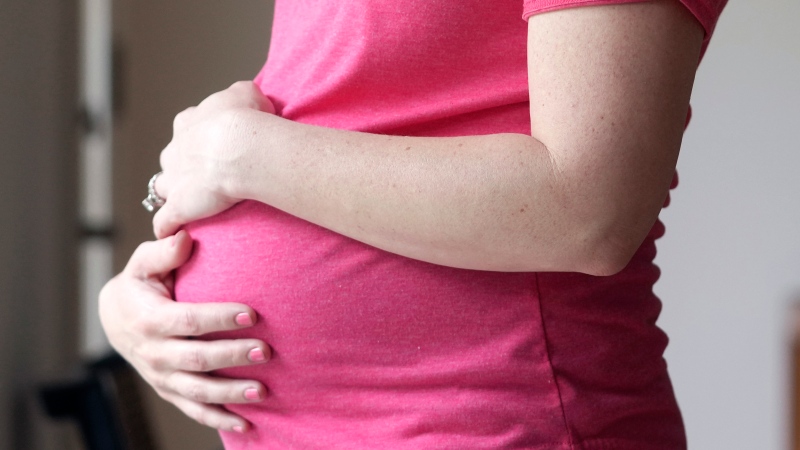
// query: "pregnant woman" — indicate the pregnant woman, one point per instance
point(426, 224)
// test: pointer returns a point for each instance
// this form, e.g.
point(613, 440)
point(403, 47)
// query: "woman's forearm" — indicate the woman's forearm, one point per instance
point(608, 108)
point(490, 202)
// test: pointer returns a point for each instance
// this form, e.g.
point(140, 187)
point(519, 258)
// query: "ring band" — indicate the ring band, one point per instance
point(153, 200)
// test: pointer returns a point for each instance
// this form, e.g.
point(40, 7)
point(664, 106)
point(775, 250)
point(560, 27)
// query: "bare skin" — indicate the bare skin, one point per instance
point(609, 90)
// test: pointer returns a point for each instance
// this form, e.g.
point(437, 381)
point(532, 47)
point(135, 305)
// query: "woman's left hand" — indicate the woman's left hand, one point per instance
point(202, 160)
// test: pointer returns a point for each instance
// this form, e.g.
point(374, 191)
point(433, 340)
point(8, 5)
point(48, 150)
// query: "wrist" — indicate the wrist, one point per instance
point(244, 165)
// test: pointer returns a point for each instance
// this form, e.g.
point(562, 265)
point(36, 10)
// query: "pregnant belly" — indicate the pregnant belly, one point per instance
point(372, 347)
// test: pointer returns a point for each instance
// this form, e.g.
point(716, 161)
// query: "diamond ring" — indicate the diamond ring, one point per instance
point(153, 200)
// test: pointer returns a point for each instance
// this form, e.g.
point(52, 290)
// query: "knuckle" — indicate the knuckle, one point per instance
point(235, 355)
point(197, 393)
point(177, 215)
point(214, 98)
point(195, 361)
point(182, 118)
point(157, 227)
point(221, 318)
point(242, 84)
point(143, 325)
point(169, 215)
point(188, 322)
point(155, 362)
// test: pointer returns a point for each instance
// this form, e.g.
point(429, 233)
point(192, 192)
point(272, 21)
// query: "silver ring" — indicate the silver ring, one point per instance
point(153, 200)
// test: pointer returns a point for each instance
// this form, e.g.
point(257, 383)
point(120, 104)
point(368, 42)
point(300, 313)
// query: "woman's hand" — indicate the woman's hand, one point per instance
point(152, 332)
point(204, 156)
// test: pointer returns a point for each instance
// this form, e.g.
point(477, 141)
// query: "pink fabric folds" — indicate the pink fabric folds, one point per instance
point(377, 351)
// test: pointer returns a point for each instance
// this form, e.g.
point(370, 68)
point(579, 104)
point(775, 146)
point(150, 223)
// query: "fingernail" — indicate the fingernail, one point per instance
point(244, 320)
point(238, 429)
point(252, 394)
point(256, 355)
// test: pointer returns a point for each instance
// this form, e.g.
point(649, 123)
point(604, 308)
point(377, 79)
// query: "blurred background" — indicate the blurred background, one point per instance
point(88, 91)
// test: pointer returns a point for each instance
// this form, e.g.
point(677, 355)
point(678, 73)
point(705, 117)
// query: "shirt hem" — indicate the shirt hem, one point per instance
point(555, 5)
point(626, 444)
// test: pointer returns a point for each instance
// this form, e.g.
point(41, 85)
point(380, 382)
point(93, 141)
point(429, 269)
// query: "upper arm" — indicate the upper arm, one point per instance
point(609, 95)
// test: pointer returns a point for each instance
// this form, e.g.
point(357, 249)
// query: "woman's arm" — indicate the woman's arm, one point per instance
point(609, 90)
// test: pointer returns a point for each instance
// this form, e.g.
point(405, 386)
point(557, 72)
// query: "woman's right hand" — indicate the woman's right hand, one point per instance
point(153, 332)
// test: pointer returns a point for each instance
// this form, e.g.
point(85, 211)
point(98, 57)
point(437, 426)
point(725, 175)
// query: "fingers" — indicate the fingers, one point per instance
point(205, 356)
point(188, 203)
point(196, 319)
point(207, 389)
point(209, 415)
point(147, 327)
point(167, 219)
point(159, 258)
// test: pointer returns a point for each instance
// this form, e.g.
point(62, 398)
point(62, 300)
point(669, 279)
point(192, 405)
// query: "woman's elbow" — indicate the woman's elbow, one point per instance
point(610, 252)
point(606, 265)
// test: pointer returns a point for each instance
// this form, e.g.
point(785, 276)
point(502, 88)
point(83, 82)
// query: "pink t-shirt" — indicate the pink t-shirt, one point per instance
point(373, 350)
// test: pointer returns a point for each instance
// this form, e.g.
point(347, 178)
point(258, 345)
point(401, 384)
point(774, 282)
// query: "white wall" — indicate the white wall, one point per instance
point(731, 256)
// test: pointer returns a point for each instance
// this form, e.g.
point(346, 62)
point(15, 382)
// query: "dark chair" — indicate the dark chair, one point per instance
point(105, 401)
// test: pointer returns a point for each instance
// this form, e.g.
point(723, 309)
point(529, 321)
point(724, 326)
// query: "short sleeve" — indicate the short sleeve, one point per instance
point(706, 12)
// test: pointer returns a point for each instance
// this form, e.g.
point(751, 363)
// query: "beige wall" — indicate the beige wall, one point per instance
point(38, 228)
point(174, 54)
